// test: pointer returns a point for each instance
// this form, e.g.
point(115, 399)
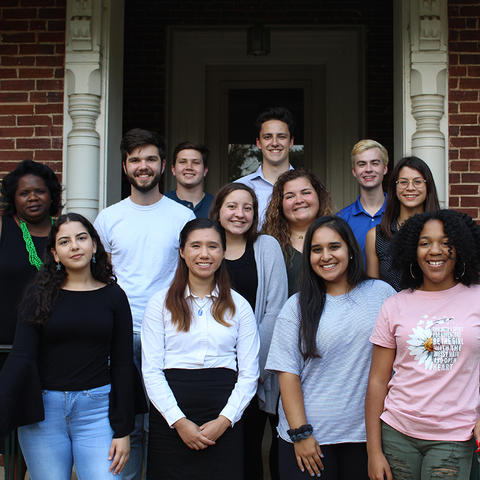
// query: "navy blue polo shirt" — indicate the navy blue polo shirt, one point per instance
point(361, 221)
point(201, 209)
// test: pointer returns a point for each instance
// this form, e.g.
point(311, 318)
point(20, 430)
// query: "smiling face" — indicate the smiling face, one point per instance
point(329, 258)
point(189, 169)
point(74, 246)
point(32, 198)
point(144, 167)
point(300, 202)
point(435, 257)
point(411, 188)
point(369, 168)
point(275, 142)
point(236, 212)
point(203, 253)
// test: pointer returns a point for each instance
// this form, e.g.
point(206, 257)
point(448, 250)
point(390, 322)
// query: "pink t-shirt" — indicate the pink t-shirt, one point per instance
point(434, 392)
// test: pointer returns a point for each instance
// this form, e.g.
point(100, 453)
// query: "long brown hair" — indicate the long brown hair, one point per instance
point(176, 302)
point(275, 223)
point(251, 234)
point(392, 209)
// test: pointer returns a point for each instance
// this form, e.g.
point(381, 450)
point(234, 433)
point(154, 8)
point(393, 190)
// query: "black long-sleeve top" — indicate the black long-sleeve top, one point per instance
point(86, 343)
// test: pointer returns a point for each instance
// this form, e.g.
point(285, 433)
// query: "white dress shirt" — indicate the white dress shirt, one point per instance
point(263, 190)
point(207, 344)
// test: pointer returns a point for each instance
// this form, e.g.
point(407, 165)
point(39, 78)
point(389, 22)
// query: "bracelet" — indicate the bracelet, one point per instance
point(300, 433)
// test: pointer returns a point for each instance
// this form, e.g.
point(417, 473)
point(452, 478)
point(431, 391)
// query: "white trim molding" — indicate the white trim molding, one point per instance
point(87, 111)
point(424, 82)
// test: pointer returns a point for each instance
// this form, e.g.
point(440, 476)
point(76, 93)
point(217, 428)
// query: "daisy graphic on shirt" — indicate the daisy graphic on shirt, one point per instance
point(435, 344)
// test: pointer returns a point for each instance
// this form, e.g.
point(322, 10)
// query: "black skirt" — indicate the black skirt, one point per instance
point(201, 395)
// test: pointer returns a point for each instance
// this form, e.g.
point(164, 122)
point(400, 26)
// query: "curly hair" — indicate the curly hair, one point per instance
point(275, 223)
point(49, 280)
point(392, 209)
point(30, 167)
point(313, 291)
point(251, 234)
point(463, 235)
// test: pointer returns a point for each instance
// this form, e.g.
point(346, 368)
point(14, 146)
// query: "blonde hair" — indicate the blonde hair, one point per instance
point(367, 144)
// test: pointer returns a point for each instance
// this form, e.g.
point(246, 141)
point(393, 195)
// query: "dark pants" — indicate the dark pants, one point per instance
point(254, 426)
point(342, 461)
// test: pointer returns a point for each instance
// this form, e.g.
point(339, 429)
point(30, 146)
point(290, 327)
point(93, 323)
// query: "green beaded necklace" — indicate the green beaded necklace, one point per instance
point(33, 257)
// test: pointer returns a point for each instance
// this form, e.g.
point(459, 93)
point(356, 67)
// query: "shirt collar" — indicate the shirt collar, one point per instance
point(188, 293)
point(259, 172)
point(358, 209)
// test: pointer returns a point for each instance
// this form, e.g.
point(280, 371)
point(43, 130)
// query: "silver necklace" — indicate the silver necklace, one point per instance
point(200, 306)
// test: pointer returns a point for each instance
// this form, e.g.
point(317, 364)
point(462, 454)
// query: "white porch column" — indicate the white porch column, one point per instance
point(82, 102)
point(93, 97)
point(424, 84)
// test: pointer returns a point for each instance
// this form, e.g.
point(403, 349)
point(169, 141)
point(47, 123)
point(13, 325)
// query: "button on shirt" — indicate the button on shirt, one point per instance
point(360, 220)
point(207, 344)
point(263, 190)
point(201, 209)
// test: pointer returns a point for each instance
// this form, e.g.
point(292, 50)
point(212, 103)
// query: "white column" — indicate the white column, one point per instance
point(92, 104)
point(83, 65)
point(428, 63)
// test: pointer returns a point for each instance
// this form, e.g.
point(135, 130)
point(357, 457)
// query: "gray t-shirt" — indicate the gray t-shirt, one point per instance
point(334, 385)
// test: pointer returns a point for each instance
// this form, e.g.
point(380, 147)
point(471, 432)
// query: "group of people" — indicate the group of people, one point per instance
point(254, 305)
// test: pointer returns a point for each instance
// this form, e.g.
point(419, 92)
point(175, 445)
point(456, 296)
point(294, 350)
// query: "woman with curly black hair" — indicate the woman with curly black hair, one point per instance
point(411, 190)
point(31, 196)
point(69, 382)
point(420, 421)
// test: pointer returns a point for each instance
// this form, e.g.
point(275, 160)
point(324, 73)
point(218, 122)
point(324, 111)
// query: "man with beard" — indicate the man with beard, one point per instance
point(140, 233)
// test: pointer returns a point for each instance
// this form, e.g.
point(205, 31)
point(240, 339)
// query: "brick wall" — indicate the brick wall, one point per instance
point(464, 106)
point(145, 48)
point(32, 53)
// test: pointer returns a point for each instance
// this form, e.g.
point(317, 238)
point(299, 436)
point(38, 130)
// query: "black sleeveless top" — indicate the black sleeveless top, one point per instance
point(382, 248)
point(15, 274)
point(243, 275)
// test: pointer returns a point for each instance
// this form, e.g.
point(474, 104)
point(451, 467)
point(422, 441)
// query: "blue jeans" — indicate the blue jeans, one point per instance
point(76, 430)
point(138, 438)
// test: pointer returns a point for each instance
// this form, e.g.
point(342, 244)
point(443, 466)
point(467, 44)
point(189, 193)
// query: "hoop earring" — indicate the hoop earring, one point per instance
point(411, 272)
point(459, 277)
point(59, 266)
point(94, 260)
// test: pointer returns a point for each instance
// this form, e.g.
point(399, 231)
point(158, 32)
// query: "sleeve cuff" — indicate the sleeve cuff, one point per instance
point(172, 415)
point(229, 412)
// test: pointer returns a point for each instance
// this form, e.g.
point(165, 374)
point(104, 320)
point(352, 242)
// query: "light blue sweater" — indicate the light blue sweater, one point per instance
point(272, 293)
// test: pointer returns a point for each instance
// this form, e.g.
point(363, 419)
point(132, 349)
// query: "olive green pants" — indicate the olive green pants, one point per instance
point(414, 459)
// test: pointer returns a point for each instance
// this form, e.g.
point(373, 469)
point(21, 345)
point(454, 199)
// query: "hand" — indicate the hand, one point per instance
point(119, 453)
point(309, 453)
point(378, 467)
point(191, 434)
point(476, 435)
point(214, 429)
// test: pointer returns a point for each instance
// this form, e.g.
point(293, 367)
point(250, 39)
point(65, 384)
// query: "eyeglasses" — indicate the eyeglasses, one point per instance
point(417, 183)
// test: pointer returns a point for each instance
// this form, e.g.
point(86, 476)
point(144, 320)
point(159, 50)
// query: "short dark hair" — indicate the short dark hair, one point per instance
point(137, 137)
point(463, 235)
point(251, 234)
point(276, 113)
point(202, 149)
point(30, 167)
